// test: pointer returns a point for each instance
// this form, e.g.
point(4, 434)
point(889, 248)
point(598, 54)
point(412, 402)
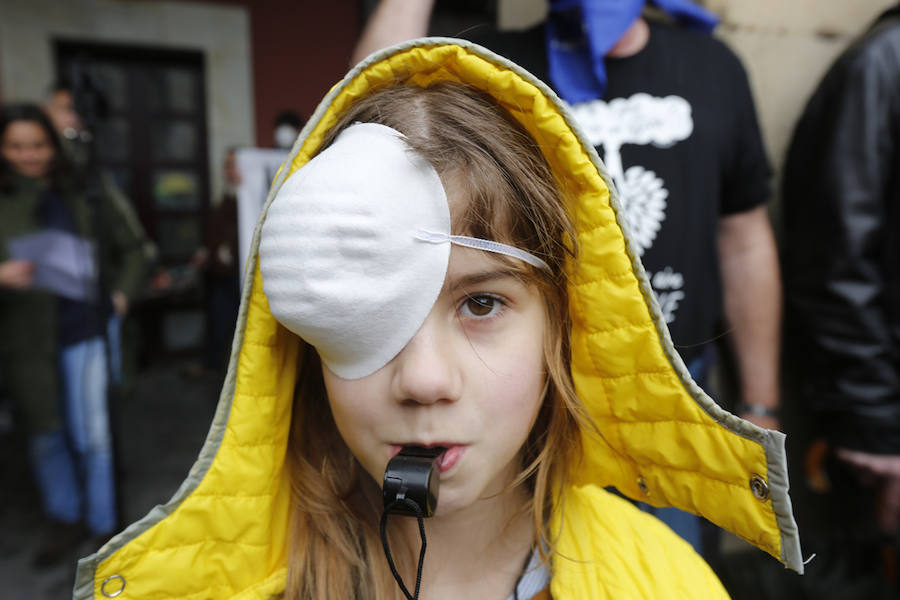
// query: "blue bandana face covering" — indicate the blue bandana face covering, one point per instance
point(581, 32)
point(355, 247)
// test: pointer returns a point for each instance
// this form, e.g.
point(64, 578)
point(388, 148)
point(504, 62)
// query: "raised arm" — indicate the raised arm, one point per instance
point(393, 21)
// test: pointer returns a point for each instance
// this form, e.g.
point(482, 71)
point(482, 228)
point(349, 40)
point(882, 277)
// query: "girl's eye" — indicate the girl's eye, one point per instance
point(481, 306)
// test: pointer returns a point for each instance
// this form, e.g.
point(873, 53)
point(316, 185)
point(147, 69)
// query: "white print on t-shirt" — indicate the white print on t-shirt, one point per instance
point(668, 287)
point(641, 119)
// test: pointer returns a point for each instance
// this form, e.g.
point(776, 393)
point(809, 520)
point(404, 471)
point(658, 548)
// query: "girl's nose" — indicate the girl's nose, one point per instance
point(427, 370)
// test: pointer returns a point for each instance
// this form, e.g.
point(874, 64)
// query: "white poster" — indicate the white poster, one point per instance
point(257, 167)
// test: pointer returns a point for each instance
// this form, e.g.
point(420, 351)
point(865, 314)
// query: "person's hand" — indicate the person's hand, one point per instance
point(876, 464)
point(120, 303)
point(16, 274)
point(881, 471)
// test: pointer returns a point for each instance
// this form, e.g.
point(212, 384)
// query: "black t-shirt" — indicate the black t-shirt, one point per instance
point(677, 131)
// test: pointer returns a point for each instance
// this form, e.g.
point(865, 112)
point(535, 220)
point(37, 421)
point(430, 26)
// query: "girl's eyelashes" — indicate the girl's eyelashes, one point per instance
point(481, 306)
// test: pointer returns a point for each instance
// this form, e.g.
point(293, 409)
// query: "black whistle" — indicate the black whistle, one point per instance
point(412, 474)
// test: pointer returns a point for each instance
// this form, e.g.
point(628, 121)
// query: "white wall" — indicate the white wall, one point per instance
point(222, 33)
point(786, 48)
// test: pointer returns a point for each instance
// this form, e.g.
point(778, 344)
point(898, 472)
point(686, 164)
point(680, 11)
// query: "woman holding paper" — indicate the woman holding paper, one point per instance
point(53, 315)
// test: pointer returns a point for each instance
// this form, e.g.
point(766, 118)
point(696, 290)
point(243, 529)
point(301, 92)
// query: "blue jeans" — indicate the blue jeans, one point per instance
point(76, 475)
point(114, 338)
point(84, 377)
point(54, 470)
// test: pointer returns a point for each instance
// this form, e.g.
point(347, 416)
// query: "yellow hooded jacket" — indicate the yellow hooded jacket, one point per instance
point(664, 441)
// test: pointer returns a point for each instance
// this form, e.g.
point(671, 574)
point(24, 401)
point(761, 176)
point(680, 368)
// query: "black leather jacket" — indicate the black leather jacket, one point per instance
point(842, 245)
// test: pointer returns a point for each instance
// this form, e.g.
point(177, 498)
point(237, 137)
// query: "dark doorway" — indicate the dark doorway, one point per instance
point(152, 141)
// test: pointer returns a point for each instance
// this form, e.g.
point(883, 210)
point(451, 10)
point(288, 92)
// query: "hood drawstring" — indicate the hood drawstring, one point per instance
point(411, 505)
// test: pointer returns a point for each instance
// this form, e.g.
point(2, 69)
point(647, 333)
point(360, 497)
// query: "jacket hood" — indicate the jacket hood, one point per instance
point(664, 441)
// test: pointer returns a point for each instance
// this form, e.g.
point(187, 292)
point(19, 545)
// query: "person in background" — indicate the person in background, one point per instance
point(219, 259)
point(52, 351)
point(60, 107)
point(287, 125)
point(842, 272)
point(670, 112)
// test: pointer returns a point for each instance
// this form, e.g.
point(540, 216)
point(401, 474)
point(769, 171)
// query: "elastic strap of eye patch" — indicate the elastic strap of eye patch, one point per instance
point(480, 244)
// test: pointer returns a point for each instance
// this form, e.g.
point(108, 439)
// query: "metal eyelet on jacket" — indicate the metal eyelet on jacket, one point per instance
point(643, 485)
point(759, 487)
point(112, 579)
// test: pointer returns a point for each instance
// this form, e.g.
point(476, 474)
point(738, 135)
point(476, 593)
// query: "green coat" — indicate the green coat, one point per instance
point(28, 327)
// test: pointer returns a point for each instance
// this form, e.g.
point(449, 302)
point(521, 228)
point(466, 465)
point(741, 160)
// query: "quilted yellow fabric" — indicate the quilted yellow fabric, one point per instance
point(663, 441)
point(610, 550)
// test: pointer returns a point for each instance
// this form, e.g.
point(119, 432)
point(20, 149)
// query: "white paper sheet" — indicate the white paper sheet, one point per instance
point(64, 263)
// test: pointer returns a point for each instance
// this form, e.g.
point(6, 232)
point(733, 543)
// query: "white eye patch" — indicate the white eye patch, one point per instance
point(355, 247)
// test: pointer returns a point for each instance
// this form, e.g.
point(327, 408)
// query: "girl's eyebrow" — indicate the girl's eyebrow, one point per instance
point(479, 277)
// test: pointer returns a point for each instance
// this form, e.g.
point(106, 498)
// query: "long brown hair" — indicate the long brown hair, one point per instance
point(512, 197)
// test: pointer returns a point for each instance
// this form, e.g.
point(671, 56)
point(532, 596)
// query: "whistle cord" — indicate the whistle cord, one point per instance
point(412, 505)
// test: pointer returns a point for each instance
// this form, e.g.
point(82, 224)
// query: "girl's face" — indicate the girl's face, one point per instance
point(27, 148)
point(470, 380)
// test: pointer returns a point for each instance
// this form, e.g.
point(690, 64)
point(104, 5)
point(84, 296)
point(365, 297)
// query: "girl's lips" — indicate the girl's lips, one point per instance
point(450, 457)
point(446, 460)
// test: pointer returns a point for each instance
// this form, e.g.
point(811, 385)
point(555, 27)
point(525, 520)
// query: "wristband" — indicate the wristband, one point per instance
point(757, 410)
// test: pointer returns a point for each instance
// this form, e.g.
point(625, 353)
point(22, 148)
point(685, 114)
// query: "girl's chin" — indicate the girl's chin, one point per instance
point(453, 501)
point(446, 510)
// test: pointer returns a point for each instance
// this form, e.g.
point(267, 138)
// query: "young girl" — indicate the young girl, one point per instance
point(443, 258)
